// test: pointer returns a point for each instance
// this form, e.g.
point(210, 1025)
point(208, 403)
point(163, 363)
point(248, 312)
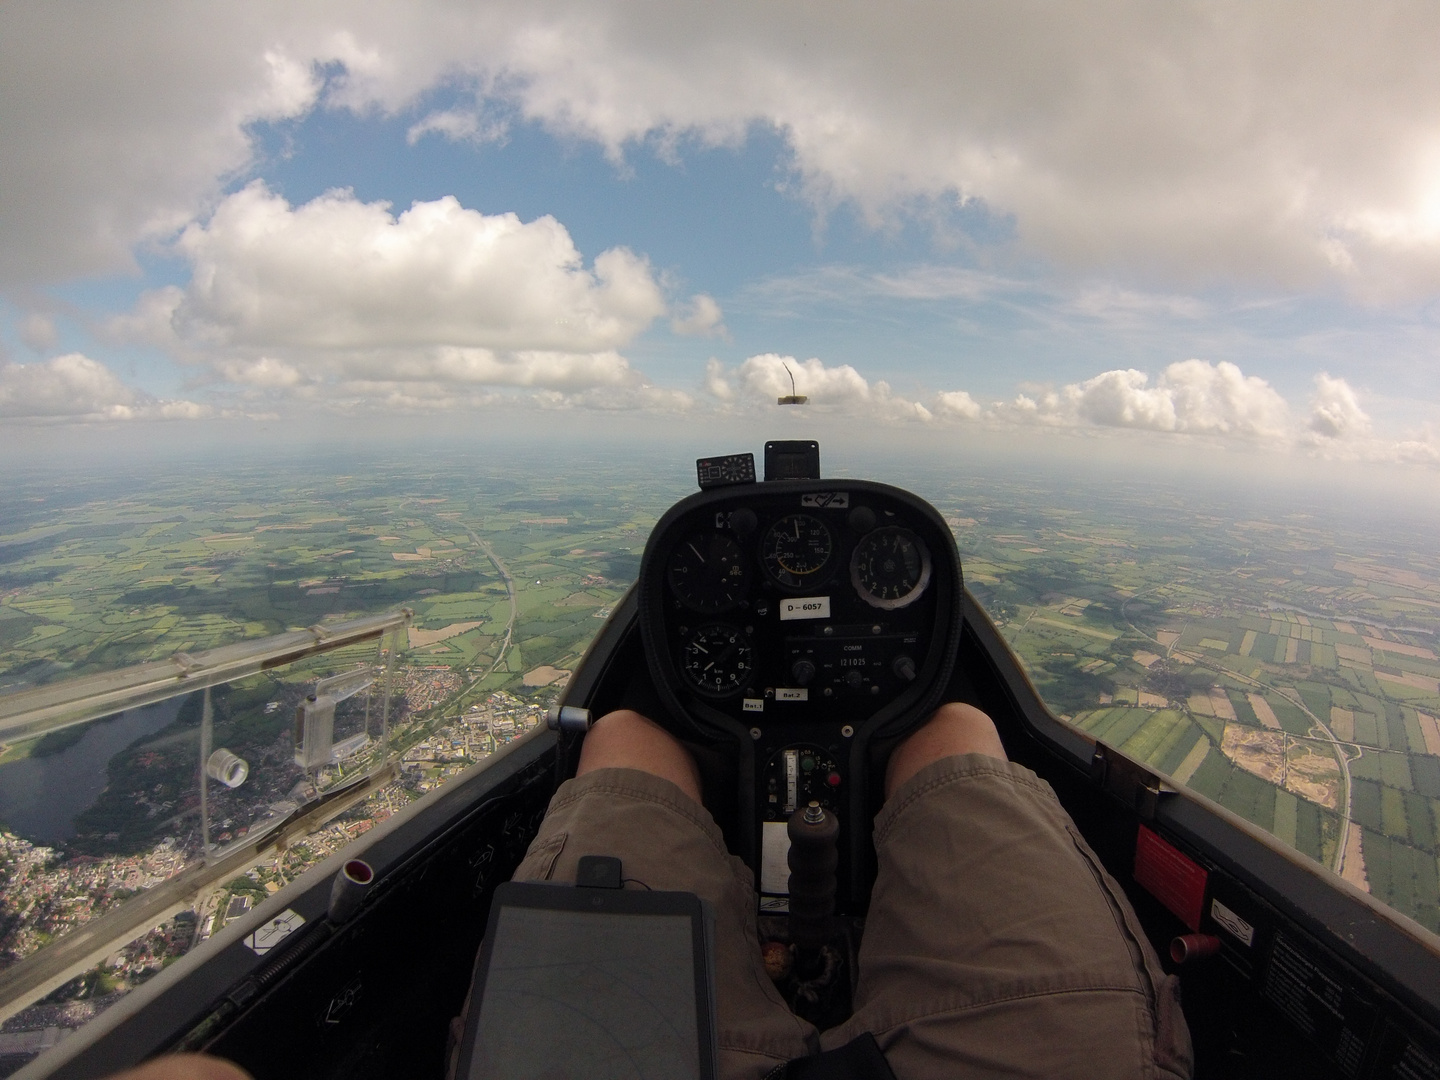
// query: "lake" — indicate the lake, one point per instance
point(40, 796)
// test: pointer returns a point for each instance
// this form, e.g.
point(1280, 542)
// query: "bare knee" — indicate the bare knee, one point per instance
point(185, 1067)
point(953, 729)
point(625, 739)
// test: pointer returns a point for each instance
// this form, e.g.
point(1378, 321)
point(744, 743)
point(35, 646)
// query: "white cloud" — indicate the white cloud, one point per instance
point(1191, 396)
point(74, 388)
point(265, 373)
point(699, 317)
point(1335, 413)
point(336, 298)
point(716, 382)
point(153, 320)
point(957, 405)
point(337, 273)
point(1292, 142)
point(770, 376)
point(765, 378)
point(118, 127)
point(458, 125)
point(1422, 450)
point(533, 368)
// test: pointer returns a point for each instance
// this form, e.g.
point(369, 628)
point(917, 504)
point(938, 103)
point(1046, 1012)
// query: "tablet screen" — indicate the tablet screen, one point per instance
point(594, 994)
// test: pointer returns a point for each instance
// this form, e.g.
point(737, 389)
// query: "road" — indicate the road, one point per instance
point(514, 606)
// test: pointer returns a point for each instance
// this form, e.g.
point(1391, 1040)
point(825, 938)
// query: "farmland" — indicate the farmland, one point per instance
point(1281, 661)
point(1284, 665)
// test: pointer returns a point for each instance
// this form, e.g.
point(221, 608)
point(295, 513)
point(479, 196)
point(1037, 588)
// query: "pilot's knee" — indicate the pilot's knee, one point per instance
point(625, 739)
point(185, 1067)
point(954, 728)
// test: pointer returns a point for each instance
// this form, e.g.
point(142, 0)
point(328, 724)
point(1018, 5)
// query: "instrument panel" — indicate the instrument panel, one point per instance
point(799, 602)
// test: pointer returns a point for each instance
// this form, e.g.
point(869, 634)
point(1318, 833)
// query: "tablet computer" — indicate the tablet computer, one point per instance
point(591, 982)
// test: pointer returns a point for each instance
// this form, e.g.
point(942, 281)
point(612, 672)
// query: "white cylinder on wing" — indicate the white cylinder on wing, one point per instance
point(229, 768)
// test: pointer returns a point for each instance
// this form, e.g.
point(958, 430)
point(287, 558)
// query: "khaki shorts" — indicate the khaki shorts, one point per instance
point(995, 944)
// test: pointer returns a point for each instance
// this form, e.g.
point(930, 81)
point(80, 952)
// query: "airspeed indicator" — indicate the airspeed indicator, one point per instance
point(797, 549)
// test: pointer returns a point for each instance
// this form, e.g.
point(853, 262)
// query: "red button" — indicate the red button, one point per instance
point(833, 779)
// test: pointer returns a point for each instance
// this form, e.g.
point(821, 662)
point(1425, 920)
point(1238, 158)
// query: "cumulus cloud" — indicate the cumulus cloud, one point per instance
point(1292, 142)
point(841, 389)
point(1335, 413)
point(337, 297)
point(1191, 396)
point(74, 388)
point(699, 317)
point(957, 405)
point(337, 273)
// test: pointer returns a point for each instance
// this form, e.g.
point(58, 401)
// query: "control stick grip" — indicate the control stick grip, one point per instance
point(814, 854)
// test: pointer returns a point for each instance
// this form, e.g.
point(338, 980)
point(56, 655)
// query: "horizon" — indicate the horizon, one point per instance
point(222, 227)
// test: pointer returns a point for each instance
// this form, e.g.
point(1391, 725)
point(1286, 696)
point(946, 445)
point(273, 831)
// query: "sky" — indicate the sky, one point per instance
point(1174, 231)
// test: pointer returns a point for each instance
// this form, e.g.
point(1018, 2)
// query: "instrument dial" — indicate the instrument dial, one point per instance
point(708, 573)
point(890, 568)
point(797, 549)
point(717, 659)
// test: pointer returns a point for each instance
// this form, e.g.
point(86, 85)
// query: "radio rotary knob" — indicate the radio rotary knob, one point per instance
point(802, 671)
point(904, 668)
point(853, 678)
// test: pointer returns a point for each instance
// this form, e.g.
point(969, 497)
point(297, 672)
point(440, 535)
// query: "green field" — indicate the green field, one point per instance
point(1254, 656)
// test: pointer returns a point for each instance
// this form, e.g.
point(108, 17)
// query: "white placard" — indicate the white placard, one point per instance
point(774, 868)
point(805, 607)
point(1232, 922)
point(275, 931)
point(791, 693)
point(753, 704)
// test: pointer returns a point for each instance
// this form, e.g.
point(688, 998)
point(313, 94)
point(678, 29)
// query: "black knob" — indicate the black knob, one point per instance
point(853, 678)
point(861, 519)
point(904, 668)
point(743, 522)
point(802, 671)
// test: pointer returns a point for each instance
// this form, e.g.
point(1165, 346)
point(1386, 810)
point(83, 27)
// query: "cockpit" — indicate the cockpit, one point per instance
point(791, 630)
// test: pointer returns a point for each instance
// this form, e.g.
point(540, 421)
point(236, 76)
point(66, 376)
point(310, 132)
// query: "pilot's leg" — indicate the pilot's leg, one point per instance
point(636, 795)
point(996, 944)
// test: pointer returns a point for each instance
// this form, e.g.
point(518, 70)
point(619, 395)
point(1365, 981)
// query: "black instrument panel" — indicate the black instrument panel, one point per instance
point(799, 602)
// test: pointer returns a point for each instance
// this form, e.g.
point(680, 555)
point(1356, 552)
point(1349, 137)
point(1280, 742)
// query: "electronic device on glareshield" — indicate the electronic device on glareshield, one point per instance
point(598, 982)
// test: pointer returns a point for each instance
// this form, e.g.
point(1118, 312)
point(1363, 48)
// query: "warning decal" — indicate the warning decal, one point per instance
point(1170, 876)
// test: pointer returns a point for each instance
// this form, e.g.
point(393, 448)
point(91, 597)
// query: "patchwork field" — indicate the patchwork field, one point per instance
point(1285, 666)
point(1284, 663)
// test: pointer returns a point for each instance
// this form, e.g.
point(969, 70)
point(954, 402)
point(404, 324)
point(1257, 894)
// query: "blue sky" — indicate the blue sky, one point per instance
point(1193, 233)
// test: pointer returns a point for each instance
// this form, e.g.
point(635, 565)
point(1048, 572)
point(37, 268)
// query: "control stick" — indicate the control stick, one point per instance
point(814, 854)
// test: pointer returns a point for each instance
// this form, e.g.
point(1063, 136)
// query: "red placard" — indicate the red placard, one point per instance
point(1171, 876)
